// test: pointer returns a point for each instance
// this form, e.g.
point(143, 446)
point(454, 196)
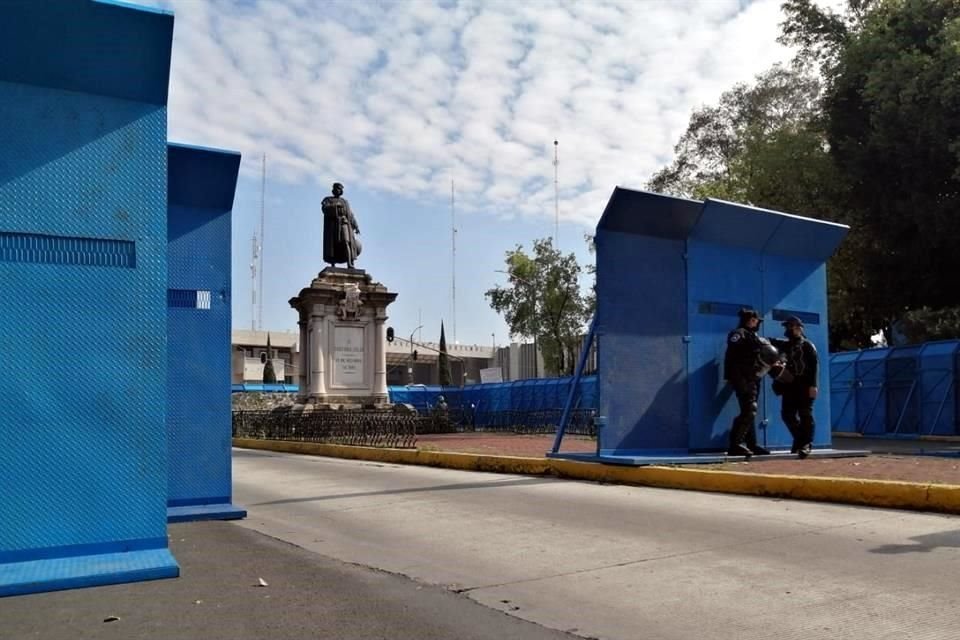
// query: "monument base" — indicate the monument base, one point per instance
point(343, 340)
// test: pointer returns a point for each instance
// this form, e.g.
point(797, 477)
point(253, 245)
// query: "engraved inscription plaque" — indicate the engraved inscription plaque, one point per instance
point(348, 356)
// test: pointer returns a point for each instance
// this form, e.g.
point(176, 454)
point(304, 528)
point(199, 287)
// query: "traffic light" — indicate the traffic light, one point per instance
point(414, 354)
point(389, 334)
point(263, 357)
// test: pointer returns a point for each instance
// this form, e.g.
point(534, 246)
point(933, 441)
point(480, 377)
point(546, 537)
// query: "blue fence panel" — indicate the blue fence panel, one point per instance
point(903, 406)
point(492, 401)
point(871, 402)
point(843, 381)
point(937, 387)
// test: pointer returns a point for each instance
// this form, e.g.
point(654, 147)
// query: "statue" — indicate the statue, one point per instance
point(349, 306)
point(340, 230)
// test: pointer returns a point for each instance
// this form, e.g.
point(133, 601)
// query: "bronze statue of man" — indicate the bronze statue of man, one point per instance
point(340, 230)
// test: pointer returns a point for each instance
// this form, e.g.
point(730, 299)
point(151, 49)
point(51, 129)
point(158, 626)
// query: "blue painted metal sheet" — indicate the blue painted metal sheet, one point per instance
point(793, 286)
point(732, 226)
point(843, 380)
point(871, 394)
point(671, 275)
point(201, 185)
point(903, 399)
point(84, 462)
point(720, 281)
point(649, 214)
point(805, 239)
point(87, 46)
point(937, 388)
point(641, 325)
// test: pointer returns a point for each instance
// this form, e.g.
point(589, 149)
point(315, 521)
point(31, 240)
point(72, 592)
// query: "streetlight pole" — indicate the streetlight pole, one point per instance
point(410, 366)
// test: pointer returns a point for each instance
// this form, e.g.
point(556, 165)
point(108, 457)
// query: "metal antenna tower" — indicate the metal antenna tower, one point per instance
point(263, 205)
point(453, 256)
point(254, 254)
point(556, 195)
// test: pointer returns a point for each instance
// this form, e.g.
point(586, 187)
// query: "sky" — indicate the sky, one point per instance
point(397, 100)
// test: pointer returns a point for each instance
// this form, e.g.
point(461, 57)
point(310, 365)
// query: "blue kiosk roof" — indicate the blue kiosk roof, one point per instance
point(102, 47)
point(722, 223)
point(200, 177)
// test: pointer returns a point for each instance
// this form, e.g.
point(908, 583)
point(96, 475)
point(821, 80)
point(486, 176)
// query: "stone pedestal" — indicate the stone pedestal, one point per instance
point(343, 358)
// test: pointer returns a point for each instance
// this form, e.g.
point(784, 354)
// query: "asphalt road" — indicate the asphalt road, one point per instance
point(620, 562)
point(219, 596)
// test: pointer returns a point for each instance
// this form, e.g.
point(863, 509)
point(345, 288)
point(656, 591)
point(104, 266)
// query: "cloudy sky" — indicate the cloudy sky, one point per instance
point(398, 99)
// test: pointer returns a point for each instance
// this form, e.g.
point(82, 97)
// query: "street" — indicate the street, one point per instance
point(619, 562)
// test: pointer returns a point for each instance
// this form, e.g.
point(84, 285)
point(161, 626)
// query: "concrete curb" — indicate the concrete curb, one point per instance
point(941, 498)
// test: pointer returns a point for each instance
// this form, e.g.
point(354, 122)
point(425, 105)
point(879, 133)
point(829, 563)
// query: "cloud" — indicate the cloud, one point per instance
point(403, 97)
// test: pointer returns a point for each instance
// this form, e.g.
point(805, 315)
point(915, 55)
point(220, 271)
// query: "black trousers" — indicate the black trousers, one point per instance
point(744, 425)
point(797, 414)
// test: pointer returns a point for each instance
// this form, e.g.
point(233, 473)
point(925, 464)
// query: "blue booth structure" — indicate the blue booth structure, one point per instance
point(201, 189)
point(671, 275)
point(908, 391)
point(83, 262)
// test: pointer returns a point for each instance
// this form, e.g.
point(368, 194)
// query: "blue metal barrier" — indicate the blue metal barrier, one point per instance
point(906, 391)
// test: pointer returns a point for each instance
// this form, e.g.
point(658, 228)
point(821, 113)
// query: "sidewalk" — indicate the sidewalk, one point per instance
point(216, 596)
point(901, 466)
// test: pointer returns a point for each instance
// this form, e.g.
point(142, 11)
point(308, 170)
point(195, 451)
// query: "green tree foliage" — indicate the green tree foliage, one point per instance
point(873, 142)
point(269, 376)
point(923, 325)
point(892, 108)
point(443, 360)
point(543, 301)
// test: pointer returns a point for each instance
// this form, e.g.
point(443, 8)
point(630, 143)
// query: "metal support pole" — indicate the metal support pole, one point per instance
point(577, 375)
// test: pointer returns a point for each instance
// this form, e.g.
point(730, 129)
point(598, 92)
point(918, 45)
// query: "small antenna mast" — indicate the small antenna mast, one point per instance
point(453, 254)
point(556, 195)
point(263, 206)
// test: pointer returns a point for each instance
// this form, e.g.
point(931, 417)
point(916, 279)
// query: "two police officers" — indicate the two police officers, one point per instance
point(798, 388)
point(743, 370)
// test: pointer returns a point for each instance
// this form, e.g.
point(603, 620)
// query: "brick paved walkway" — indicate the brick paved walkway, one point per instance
point(876, 467)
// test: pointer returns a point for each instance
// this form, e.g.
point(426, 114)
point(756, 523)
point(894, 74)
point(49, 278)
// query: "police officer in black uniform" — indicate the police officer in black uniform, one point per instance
point(743, 371)
point(798, 389)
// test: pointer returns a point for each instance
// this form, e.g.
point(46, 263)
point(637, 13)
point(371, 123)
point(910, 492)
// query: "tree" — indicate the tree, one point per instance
point(269, 377)
point(443, 361)
point(718, 137)
point(543, 302)
point(892, 113)
point(924, 325)
point(766, 145)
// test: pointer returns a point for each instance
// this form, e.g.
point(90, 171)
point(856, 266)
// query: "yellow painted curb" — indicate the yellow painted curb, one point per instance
point(943, 498)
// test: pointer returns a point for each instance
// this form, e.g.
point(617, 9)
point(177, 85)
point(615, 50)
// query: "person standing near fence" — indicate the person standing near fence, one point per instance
point(742, 372)
point(798, 390)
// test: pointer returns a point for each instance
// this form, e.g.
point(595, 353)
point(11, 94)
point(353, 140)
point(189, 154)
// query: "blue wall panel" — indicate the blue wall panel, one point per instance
point(83, 170)
point(202, 184)
point(641, 324)
point(721, 280)
point(671, 276)
point(797, 287)
point(84, 454)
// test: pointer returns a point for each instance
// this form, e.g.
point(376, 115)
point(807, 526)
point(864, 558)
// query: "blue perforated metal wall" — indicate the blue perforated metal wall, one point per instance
point(641, 324)
point(83, 460)
point(199, 356)
point(794, 287)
